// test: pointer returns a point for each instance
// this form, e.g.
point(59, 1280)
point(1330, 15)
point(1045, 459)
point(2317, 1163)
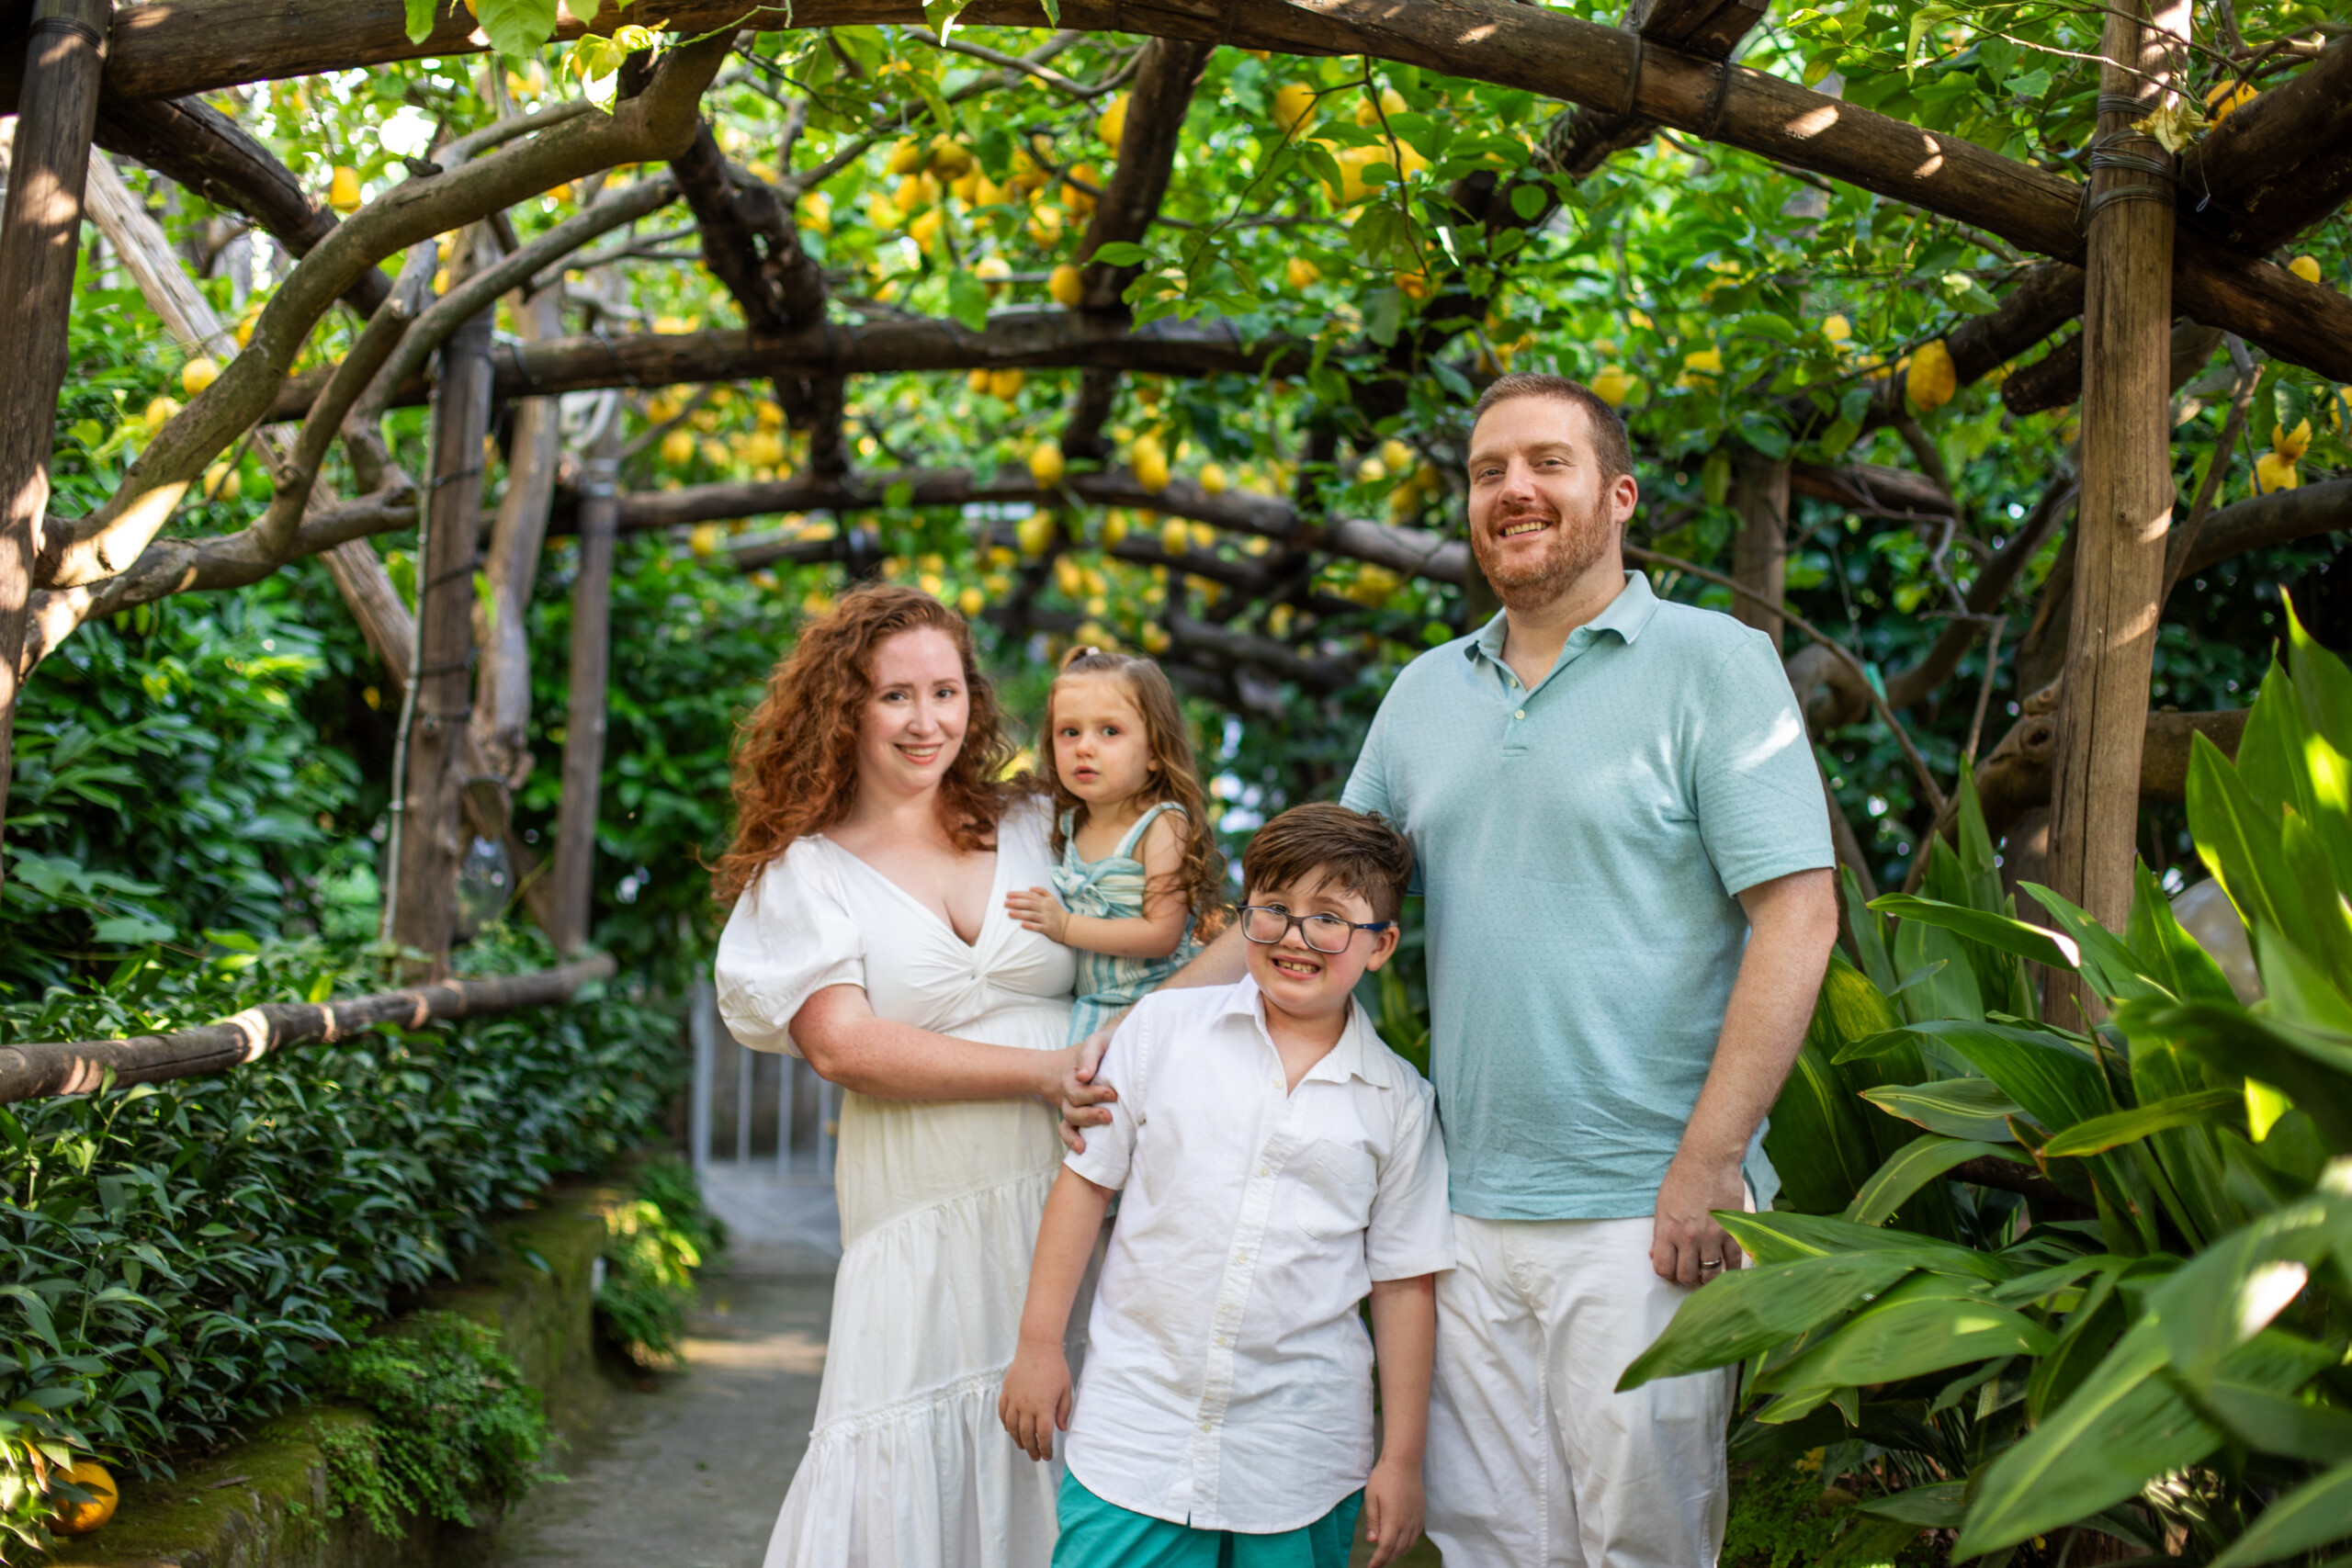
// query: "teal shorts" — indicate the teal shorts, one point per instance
point(1096, 1534)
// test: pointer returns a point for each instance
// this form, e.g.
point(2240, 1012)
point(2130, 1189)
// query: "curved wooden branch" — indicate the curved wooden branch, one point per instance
point(198, 147)
point(657, 121)
point(2277, 166)
point(1165, 78)
point(2278, 518)
point(2056, 379)
point(38, 1072)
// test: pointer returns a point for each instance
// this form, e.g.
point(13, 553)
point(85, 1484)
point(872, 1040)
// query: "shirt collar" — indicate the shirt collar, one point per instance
point(1352, 1057)
point(1626, 616)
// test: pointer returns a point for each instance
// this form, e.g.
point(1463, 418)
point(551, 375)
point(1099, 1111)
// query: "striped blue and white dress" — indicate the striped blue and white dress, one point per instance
point(1112, 888)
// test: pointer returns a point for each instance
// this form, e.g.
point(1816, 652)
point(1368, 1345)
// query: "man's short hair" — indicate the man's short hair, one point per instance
point(1610, 448)
point(1324, 843)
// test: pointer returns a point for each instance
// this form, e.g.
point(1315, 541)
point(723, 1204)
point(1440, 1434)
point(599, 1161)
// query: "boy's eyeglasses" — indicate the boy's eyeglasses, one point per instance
point(1267, 924)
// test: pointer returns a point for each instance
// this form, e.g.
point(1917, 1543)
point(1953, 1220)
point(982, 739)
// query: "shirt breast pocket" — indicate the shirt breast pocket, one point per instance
point(1335, 1187)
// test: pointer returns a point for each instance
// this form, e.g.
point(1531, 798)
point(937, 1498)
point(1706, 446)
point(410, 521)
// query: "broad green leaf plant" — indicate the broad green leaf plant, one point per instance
point(2151, 1343)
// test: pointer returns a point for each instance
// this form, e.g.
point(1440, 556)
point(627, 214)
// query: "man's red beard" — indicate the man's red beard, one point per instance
point(1572, 546)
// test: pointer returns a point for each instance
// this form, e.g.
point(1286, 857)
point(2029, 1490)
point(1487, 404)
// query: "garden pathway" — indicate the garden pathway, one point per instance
point(688, 1474)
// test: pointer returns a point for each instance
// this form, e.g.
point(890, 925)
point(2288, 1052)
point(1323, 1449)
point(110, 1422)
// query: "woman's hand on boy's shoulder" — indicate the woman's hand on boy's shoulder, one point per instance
point(1392, 1505)
point(1086, 1101)
point(1036, 1401)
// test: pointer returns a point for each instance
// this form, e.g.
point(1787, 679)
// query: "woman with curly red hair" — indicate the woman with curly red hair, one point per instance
point(874, 843)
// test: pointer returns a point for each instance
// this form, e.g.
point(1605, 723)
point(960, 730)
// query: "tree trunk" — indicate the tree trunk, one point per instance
point(425, 886)
point(501, 713)
point(40, 238)
point(2127, 496)
point(1759, 492)
point(583, 738)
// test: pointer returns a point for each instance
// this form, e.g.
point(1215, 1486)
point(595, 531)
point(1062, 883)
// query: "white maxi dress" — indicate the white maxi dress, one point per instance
point(907, 1466)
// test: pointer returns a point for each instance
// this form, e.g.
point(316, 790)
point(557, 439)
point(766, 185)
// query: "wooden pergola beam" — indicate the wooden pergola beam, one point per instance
point(2277, 166)
point(171, 48)
point(1023, 338)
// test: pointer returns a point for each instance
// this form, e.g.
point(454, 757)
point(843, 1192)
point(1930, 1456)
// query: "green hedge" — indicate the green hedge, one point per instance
point(179, 1259)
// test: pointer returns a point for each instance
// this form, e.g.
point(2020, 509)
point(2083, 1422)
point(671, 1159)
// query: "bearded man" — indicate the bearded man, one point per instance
point(1624, 851)
point(1621, 838)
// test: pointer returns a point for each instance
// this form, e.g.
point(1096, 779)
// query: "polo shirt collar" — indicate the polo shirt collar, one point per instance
point(1626, 616)
point(1352, 1057)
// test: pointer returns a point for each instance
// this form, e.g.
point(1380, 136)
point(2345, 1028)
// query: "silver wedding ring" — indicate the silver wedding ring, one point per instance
point(1711, 1263)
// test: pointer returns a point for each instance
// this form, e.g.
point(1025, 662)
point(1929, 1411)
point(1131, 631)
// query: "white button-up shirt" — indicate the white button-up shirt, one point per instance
point(1228, 1382)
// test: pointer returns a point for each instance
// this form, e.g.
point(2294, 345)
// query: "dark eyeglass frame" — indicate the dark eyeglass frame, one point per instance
point(1298, 922)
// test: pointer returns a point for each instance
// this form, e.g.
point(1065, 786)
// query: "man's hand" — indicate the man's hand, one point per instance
point(1040, 911)
point(1685, 1244)
point(1084, 1101)
point(1036, 1401)
point(1392, 1510)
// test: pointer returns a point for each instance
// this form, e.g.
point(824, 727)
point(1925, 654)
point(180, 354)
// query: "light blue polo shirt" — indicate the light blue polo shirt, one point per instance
point(1579, 846)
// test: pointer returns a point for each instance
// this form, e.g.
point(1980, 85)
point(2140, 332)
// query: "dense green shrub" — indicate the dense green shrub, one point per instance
point(2168, 1369)
point(456, 1424)
point(177, 1258)
point(653, 1244)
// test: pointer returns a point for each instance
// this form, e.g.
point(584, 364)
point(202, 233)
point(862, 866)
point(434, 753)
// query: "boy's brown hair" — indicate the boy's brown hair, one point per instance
point(1324, 843)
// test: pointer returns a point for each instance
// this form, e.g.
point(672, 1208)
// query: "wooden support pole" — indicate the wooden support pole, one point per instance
point(583, 736)
point(2126, 491)
point(425, 889)
point(1759, 493)
point(41, 236)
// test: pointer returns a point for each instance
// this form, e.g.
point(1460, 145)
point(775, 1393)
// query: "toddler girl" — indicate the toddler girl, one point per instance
point(1140, 880)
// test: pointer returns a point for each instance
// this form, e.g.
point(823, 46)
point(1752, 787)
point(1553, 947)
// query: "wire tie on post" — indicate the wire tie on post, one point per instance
point(1633, 80)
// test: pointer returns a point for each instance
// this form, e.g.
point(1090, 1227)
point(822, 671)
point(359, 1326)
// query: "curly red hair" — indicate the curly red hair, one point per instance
point(796, 756)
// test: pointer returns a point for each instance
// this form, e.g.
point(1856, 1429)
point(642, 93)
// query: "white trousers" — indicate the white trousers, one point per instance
point(1534, 1459)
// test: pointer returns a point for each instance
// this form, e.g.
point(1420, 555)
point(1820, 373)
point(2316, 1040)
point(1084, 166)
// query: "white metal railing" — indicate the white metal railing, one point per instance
point(775, 1109)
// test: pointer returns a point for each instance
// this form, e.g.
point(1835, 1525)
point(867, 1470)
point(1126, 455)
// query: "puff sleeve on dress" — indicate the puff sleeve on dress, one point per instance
point(789, 936)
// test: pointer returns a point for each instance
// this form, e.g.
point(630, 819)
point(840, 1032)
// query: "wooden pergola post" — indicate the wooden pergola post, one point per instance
point(2126, 491)
point(40, 239)
point(1759, 493)
point(583, 736)
point(425, 890)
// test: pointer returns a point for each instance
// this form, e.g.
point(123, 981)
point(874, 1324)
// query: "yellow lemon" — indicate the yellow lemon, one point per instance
point(817, 212)
point(1067, 286)
point(881, 213)
point(1612, 386)
point(80, 1519)
point(2338, 409)
point(1293, 106)
point(1045, 463)
point(949, 157)
point(1112, 125)
point(2292, 444)
point(770, 414)
point(1007, 384)
point(158, 413)
point(971, 601)
point(1081, 201)
point(907, 196)
point(1034, 532)
point(1046, 224)
point(1154, 637)
point(2273, 471)
point(1933, 379)
point(924, 229)
point(1372, 471)
point(764, 450)
point(1837, 329)
point(1416, 285)
point(673, 325)
point(1174, 537)
point(222, 482)
point(661, 407)
point(1700, 367)
point(1404, 501)
point(1068, 578)
point(1397, 456)
point(965, 187)
point(678, 448)
point(1298, 272)
point(1114, 528)
point(715, 453)
point(1150, 463)
point(905, 157)
point(343, 191)
point(1391, 103)
point(703, 539)
point(992, 270)
point(978, 381)
point(2305, 267)
point(1214, 480)
point(198, 374)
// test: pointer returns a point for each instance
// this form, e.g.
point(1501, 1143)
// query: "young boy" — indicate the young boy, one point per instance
point(1278, 1164)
